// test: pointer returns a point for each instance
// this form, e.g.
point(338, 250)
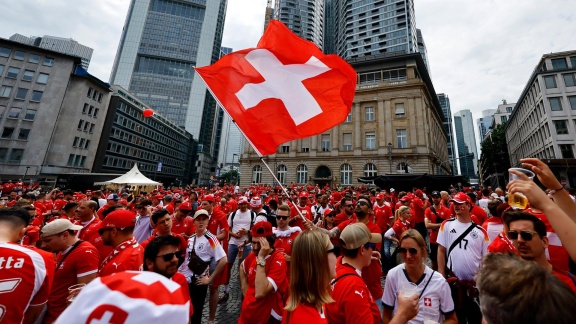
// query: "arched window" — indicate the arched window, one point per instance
point(281, 173)
point(346, 174)
point(370, 170)
point(302, 174)
point(257, 174)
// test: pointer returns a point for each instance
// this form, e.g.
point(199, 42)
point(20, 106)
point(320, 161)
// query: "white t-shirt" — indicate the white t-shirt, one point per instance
point(241, 220)
point(493, 230)
point(437, 294)
point(483, 203)
point(206, 247)
point(467, 255)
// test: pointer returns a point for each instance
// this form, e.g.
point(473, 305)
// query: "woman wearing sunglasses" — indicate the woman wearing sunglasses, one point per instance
point(312, 268)
point(401, 224)
point(432, 289)
point(327, 222)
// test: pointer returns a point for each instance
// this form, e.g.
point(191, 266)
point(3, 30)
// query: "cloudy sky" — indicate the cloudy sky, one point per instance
point(480, 52)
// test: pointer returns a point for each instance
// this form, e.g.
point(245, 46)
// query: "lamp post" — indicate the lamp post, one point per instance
point(234, 177)
point(25, 174)
point(390, 156)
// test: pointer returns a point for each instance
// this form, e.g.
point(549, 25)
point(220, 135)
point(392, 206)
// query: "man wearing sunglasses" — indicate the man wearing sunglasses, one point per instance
point(528, 234)
point(347, 211)
point(161, 256)
point(285, 234)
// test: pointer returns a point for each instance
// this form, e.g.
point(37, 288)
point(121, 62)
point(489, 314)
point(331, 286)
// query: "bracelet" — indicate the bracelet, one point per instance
point(556, 190)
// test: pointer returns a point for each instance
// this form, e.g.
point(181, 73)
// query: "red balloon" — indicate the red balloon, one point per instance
point(148, 113)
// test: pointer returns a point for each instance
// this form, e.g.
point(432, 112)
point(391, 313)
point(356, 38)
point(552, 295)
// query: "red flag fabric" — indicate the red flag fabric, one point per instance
point(282, 90)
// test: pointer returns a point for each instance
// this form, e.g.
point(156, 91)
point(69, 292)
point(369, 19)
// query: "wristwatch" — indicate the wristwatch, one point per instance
point(551, 192)
point(261, 262)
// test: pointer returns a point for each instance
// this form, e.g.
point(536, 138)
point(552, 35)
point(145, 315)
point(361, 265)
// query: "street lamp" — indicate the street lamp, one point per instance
point(390, 156)
point(233, 155)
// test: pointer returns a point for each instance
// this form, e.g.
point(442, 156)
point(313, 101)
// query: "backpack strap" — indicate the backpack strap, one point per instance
point(458, 240)
point(232, 219)
point(252, 218)
point(342, 276)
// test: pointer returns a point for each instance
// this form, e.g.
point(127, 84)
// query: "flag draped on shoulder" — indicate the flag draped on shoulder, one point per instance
point(282, 90)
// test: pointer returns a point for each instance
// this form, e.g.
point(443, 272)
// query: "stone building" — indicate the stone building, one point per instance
point(395, 126)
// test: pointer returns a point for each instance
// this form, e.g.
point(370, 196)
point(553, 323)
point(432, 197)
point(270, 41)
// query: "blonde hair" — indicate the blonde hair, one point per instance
point(400, 211)
point(417, 237)
point(310, 273)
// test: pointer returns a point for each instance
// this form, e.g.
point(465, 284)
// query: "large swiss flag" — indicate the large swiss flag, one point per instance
point(282, 90)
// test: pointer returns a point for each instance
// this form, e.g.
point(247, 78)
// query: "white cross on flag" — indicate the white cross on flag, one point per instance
point(282, 90)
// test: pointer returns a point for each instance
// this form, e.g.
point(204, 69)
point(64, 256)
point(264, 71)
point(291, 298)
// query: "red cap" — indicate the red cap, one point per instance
point(261, 229)
point(118, 219)
point(304, 194)
point(461, 198)
point(159, 197)
point(255, 202)
point(419, 192)
point(185, 206)
point(327, 211)
point(208, 198)
point(123, 202)
point(405, 198)
point(380, 196)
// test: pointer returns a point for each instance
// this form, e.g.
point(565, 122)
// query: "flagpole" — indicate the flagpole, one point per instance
point(253, 147)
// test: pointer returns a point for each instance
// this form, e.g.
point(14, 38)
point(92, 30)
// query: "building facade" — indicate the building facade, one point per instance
point(451, 144)
point(51, 113)
point(485, 122)
point(162, 150)
point(58, 44)
point(395, 126)
point(543, 122)
point(466, 140)
point(303, 17)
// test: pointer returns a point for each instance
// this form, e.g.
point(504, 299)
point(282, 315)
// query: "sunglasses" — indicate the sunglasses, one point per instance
point(282, 217)
point(370, 246)
point(170, 256)
point(412, 251)
point(349, 205)
point(526, 235)
point(362, 203)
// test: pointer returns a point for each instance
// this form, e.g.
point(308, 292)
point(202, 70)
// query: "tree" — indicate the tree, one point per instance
point(230, 176)
point(495, 159)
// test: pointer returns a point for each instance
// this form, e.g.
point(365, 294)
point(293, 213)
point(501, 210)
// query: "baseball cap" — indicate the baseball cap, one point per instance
point(159, 197)
point(405, 198)
point(123, 202)
point(461, 198)
point(208, 198)
point(303, 194)
point(392, 190)
point(201, 212)
point(126, 297)
point(357, 234)
point(261, 229)
point(113, 197)
point(328, 211)
point(118, 219)
point(242, 200)
point(494, 195)
point(58, 226)
point(419, 192)
point(256, 202)
point(380, 196)
point(185, 206)
point(435, 194)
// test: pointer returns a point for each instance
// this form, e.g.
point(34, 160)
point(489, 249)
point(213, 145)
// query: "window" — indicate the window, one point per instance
point(83, 161)
point(30, 114)
point(21, 93)
point(281, 173)
point(23, 134)
point(13, 72)
point(28, 75)
point(555, 104)
point(503, 119)
point(14, 112)
point(569, 79)
point(87, 144)
point(96, 112)
point(3, 152)
point(370, 170)
point(5, 52)
point(566, 151)
point(401, 140)
point(348, 118)
point(19, 55)
point(82, 141)
point(77, 160)
point(325, 146)
point(91, 128)
point(91, 109)
point(90, 90)
point(402, 167)
point(7, 132)
point(75, 143)
point(573, 61)
point(85, 109)
point(369, 113)
point(346, 174)
point(48, 61)
point(257, 174)
point(36, 95)
point(86, 126)
point(370, 141)
point(572, 100)
point(399, 110)
point(347, 142)
point(34, 58)
point(2, 110)
point(16, 155)
point(70, 160)
point(559, 64)
point(1, 69)
point(509, 109)
point(99, 97)
point(80, 124)
point(285, 148)
point(561, 128)
point(42, 78)
point(550, 81)
point(301, 174)
point(5, 91)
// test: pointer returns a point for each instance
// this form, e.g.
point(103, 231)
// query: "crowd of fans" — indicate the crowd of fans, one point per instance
point(307, 254)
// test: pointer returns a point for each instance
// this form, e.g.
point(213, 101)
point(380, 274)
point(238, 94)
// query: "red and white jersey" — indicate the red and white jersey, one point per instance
point(443, 214)
point(23, 281)
point(556, 252)
point(306, 212)
point(305, 313)
point(383, 215)
point(184, 226)
point(493, 226)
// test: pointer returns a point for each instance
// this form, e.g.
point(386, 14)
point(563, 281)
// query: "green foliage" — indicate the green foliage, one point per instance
point(494, 156)
point(230, 176)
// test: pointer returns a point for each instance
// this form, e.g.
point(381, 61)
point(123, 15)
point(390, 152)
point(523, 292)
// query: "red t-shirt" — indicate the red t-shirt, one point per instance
point(131, 258)
point(342, 217)
point(353, 301)
point(556, 254)
point(182, 246)
point(478, 215)
point(25, 281)
point(90, 234)
point(305, 313)
point(259, 310)
point(502, 244)
point(82, 261)
point(284, 240)
point(444, 214)
point(400, 227)
point(306, 212)
point(186, 225)
point(383, 215)
point(565, 278)
point(418, 211)
point(218, 222)
point(181, 279)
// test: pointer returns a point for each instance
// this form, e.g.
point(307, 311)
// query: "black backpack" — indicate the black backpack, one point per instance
point(252, 218)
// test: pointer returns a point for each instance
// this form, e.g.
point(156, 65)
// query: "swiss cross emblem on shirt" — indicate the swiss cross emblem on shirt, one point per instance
point(427, 302)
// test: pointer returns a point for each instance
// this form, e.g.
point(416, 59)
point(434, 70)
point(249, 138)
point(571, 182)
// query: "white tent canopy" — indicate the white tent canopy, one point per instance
point(132, 178)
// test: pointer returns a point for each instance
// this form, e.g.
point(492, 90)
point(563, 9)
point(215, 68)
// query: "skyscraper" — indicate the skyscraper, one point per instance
point(445, 104)
point(484, 122)
point(466, 139)
point(58, 44)
point(304, 17)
